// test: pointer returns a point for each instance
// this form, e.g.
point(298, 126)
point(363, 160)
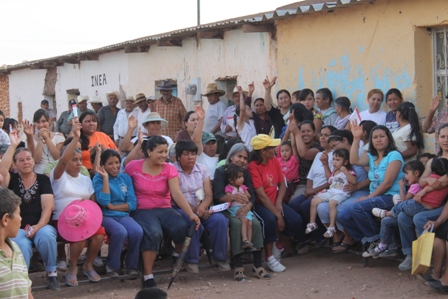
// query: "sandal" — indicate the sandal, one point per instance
point(92, 275)
point(239, 275)
point(342, 247)
point(71, 280)
point(310, 227)
point(260, 273)
point(330, 232)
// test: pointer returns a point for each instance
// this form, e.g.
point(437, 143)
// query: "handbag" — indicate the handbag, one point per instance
point(422, 252)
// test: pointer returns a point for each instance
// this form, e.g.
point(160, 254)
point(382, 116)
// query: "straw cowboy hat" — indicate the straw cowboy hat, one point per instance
point(154, 116)
point(80, 220)
point(211, 89)
point(140, 97)
point(95, 100)
point(235, 90)
point(116, 93)
point(166, 85)
point(82, 98)
point(151, 98)
point(130, 98)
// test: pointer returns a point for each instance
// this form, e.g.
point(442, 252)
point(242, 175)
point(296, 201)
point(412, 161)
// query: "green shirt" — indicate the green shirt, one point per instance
point(14, 280)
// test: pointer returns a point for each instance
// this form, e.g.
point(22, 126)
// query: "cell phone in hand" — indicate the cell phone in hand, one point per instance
point(28, 230)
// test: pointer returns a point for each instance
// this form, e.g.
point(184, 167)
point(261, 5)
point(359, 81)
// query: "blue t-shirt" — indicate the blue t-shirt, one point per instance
point(391, 121)
point(377, 173)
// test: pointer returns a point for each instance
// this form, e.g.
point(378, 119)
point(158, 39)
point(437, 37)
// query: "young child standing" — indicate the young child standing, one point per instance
point(234, 174)
point(343, 174)
point(14, 272)
point(289, 162)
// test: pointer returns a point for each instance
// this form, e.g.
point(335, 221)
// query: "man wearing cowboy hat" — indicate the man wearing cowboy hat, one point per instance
point(142, 110)
point(96, 103)
point(228, 120)
point(153, 124)
point(121, 124)
point(215, 111)
point(81, 106)
point(151, 101)
point(108, 114)
point(170, 108)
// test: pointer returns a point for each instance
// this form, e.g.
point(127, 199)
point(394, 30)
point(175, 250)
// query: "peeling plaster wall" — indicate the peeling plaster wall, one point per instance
point(352, 50)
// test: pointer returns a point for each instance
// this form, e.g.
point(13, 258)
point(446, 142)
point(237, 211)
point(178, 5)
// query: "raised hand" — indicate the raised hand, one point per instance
point(324, 159)
point(97, 148)
point(28, 128)
point(251, 88)
point(240, 89)
point(356, 129)
point(200, 112)
point(14, 138)
point(76, 128)
point(343, 169)
point(132, 122)
point(140, 136)
point(44, 134)
point(434, 103)
point(101, 171)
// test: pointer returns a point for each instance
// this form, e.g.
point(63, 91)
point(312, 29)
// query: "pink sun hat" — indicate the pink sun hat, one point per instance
point(79, 220)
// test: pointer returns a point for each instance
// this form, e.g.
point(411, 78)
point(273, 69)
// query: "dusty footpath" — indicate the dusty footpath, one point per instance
point(318, 274)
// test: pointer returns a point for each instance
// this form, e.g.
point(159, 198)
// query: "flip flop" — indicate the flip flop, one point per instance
point(71, 280)
point(92, 275)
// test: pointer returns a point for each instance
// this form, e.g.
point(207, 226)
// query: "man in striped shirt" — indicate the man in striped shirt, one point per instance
point(14, 280)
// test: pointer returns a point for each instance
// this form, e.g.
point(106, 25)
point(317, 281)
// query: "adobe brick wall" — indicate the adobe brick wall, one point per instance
point(4, 94)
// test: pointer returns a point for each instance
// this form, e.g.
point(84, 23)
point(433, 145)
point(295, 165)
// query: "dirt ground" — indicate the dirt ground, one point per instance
point(318, 274)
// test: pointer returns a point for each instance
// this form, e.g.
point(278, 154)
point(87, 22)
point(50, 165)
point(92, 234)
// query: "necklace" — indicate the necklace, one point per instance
point(28, 194)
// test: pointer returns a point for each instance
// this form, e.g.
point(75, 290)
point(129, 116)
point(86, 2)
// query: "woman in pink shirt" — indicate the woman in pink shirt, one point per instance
point(155, 183)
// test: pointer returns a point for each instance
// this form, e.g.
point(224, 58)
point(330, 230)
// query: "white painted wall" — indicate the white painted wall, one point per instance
point(250, 56)
point(26, 86)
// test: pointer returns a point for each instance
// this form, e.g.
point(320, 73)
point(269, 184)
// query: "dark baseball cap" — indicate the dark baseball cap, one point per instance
point(72, 102)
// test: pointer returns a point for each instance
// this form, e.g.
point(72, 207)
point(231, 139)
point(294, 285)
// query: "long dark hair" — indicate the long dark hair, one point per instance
point(408, 113)
point(390, 146)
point(84, 139)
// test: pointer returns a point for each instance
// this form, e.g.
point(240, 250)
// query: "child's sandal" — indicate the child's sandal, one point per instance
point(260, 273)
point(330, 232)
point(239, 275)
point(310, 227)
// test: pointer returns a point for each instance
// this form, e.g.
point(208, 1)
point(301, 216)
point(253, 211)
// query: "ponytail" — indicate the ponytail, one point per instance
point(407, 111)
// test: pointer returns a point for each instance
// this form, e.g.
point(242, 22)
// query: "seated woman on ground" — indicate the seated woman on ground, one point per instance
point(115, 194)
point(69, 185)
point(342, 175)
point(385, 163)
point(196, 186)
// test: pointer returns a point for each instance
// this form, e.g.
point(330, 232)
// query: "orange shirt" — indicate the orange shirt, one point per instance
point(102, 139)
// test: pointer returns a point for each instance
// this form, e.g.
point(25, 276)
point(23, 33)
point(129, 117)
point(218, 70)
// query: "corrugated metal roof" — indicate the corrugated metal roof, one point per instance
point(291, 10)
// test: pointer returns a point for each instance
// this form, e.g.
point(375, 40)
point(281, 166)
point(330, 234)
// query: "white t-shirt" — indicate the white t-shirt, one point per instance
point(379, 117)
point(68, 189)
point(317, 171)
point(214, 113)
point(247, 133)
point(401, 136)
point(46, 155)
point(209, 162)
point(168, 139)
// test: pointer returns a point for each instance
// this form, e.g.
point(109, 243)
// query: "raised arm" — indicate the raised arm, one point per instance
point(197, 135)
point(267, 92)
point(6, 161)
point(432, 111)
point(241, 117)
point(126, 145)
point(28, 129)
point(355, 159)
point(138, 147)
point(69, 150)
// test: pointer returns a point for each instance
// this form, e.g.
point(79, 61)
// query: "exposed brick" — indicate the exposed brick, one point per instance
point(4, 94)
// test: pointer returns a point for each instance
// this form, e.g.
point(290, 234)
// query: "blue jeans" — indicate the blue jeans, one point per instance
point(409, 207)
point(389, 228)
point(359, 222)
point(292, 220)
point(324, 214)
point(301, 205)
point(217, 225)
point(408, 225)
point(118, 230)
point(45, 242)
point(157, 222)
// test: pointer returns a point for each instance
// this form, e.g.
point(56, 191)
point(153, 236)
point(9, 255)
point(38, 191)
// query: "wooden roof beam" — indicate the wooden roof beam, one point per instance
point(210, 34)
point(72, 60)
point(169, 43)
point(36, 66)
point(49, 64)
point(136, 49)
point(248, 28)
point(83, 57)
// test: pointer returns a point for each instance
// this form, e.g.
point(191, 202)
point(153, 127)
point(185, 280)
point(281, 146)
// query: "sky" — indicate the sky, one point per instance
point(39, 29)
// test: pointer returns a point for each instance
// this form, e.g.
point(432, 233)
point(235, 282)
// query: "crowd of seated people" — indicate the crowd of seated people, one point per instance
point(288, 172)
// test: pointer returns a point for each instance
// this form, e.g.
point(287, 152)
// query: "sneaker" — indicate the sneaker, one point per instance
point(396, 199)
point(277, 252)
point(98, 262)
point(53, 283)
point(222, 265)
point(246, 244)
point(112, 274)
point(149, 283)
point(61, 266)
point(131, 272)
point(406, 264)
point(274, 265)
point(192, 268)
point(368, 252)
point(376, 252)
point(380, 213)
point(425, 278)
point(389, 253)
